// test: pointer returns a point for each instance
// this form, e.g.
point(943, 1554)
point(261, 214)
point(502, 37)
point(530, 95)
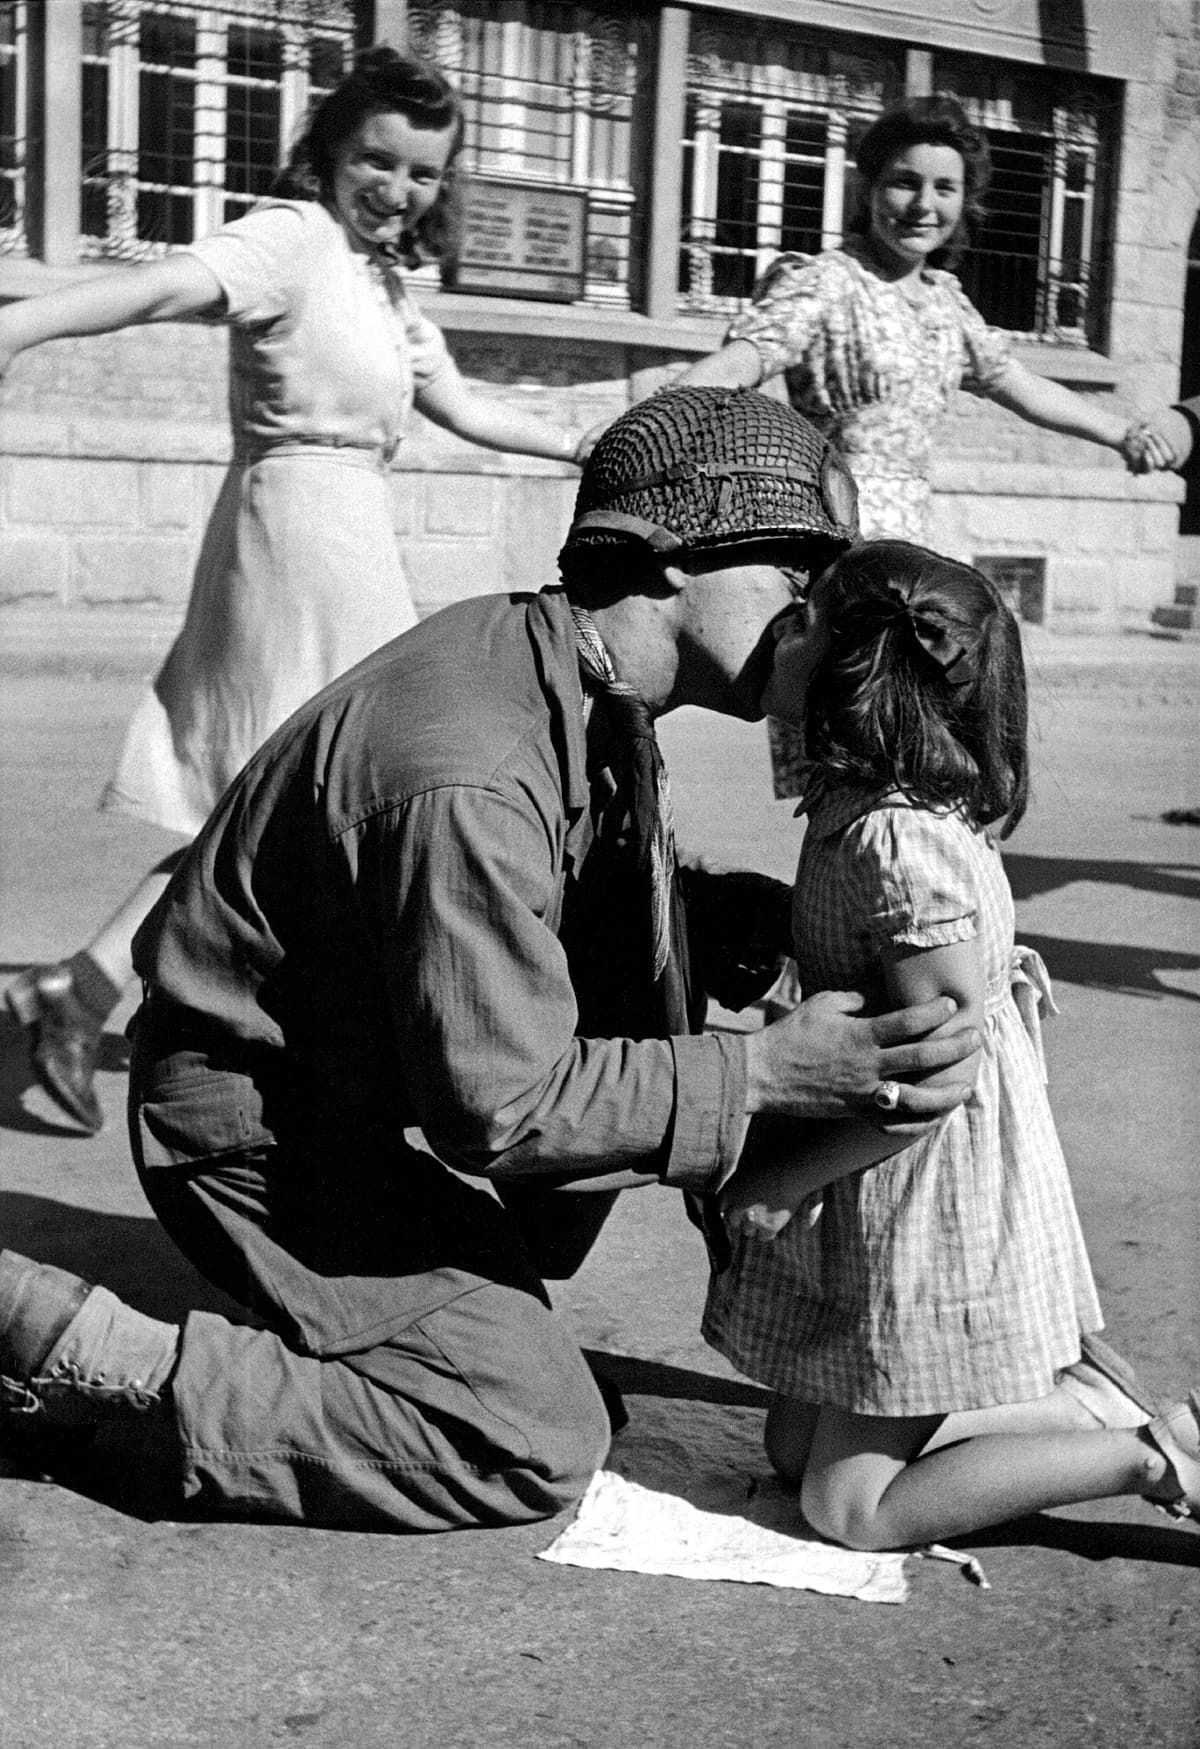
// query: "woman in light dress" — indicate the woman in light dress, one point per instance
point(299, 575)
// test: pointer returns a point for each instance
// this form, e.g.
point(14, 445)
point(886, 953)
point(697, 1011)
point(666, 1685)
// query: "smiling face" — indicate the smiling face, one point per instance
point(386, 175)
point(916, 203)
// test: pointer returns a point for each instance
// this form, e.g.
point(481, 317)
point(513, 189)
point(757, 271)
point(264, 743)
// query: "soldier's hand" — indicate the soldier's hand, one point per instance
point(823, 1060)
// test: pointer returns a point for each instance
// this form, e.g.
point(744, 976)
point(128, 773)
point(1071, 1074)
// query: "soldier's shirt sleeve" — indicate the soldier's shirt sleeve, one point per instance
point(484, 1015)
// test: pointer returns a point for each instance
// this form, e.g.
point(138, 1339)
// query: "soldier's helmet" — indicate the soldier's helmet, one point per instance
point(694, 469)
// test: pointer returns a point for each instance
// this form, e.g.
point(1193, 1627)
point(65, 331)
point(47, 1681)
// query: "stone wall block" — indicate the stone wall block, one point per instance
point(207, 480)
point(1137, 162)
point(1104, 528)
point(460, 505)
point(1081, 589)
point(1175, 18)
point(24, 432)
point(77, 494)
point(538, 516)
point(439, 573)
point(1158, 528)
point(147, 439)
point(999, 525)
point(34, 568)
point(168, 495)
point(407, 492)
point(132, 571)
point(1143, 583)
point(1163, 278)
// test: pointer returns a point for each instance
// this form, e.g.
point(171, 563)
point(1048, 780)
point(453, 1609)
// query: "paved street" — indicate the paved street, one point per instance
point(125, 1625)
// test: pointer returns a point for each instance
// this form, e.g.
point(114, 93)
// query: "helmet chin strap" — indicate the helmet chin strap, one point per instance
point(657, 538)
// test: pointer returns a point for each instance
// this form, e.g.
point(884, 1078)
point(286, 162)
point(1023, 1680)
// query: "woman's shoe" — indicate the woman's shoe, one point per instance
point(1176, 1433)
point(65, 1039)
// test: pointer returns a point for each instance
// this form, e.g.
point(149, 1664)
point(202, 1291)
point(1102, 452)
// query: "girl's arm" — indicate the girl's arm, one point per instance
point(447, 401)
point(1047, 403)
point(736, 365)
point(783, 1161)
point(163, 291)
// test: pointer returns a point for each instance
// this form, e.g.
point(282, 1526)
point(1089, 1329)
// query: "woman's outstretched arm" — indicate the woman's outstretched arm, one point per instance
point(162, 291)
point(736, 365)
point(447, 401)
point(1058, 408)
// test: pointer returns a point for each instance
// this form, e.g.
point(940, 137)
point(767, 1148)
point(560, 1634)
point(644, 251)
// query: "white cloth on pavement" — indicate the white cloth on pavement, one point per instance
point(626, 1527)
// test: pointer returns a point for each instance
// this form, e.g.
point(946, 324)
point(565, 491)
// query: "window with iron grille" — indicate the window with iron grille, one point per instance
point(774, 115)
point(555, 95)
point(1039, 265)
point(771, 114)
point(188, 109)
point(13, 143)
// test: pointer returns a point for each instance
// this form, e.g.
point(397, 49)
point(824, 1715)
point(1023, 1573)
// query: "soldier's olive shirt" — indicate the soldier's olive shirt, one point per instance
point(365, 937)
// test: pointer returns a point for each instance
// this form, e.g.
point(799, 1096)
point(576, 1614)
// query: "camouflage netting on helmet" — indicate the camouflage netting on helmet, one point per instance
point(703, 467)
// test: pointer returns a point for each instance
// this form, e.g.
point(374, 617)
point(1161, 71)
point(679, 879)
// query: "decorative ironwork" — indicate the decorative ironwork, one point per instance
point(555, 95)
point(769, 116)
point(14, 145)
point(188, 108)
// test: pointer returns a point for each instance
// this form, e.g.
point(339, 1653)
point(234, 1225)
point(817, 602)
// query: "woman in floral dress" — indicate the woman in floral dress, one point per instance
point(872, 339)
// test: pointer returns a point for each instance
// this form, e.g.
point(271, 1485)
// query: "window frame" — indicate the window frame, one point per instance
point(741, 65)
point(212, 79)
point(14, 55)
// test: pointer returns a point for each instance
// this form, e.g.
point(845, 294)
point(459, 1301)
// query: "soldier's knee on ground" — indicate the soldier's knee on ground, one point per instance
point(569, 1444)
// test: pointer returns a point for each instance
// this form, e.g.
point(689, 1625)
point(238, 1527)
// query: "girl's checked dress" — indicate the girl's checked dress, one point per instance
point(953, 1276)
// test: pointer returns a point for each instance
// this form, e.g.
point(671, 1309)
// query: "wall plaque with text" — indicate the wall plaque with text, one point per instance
point(522, 241)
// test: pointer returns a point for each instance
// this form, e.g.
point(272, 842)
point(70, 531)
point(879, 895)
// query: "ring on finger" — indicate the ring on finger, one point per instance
point(887, 1095)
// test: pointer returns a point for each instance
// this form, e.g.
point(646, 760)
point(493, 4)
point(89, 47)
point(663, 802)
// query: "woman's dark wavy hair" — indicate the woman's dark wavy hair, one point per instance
point(382, 82)
point(882, 712)
point(939, 120)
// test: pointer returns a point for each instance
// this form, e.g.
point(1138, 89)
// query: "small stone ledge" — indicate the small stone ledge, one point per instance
point(115, 640)
point(1034, 480)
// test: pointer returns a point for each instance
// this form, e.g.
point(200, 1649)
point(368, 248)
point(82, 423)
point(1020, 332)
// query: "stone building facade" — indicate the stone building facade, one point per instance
point(112, 448)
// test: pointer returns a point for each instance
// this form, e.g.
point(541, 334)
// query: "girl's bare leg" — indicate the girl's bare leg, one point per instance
point(791, 1423)
point(871, 1484)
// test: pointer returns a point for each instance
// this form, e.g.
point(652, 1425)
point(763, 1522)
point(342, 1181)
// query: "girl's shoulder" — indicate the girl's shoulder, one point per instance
point(288, 228)
point(265, 259)
point(947, 288)
point(794, 273)
point(876, 813)
point(305, 215)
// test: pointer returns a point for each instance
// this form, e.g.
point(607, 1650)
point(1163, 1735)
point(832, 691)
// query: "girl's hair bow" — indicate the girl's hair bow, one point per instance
point(951, 646)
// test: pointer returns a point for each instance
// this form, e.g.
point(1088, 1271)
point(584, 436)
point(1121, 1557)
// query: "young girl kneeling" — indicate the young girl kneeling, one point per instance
point(921, 1321)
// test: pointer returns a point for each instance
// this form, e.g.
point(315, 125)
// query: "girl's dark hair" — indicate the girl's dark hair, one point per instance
point(923, 687)
point(939, 120)
point(382, 82)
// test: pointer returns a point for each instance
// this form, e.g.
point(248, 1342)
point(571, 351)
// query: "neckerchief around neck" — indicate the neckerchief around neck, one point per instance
point(641, 780)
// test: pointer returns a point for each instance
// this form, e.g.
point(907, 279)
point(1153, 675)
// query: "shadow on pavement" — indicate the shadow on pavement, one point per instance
point(1107, 965)
point(1092, 1540)
point(652, 1378)
point(131, 1254)
point(1031, 875)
